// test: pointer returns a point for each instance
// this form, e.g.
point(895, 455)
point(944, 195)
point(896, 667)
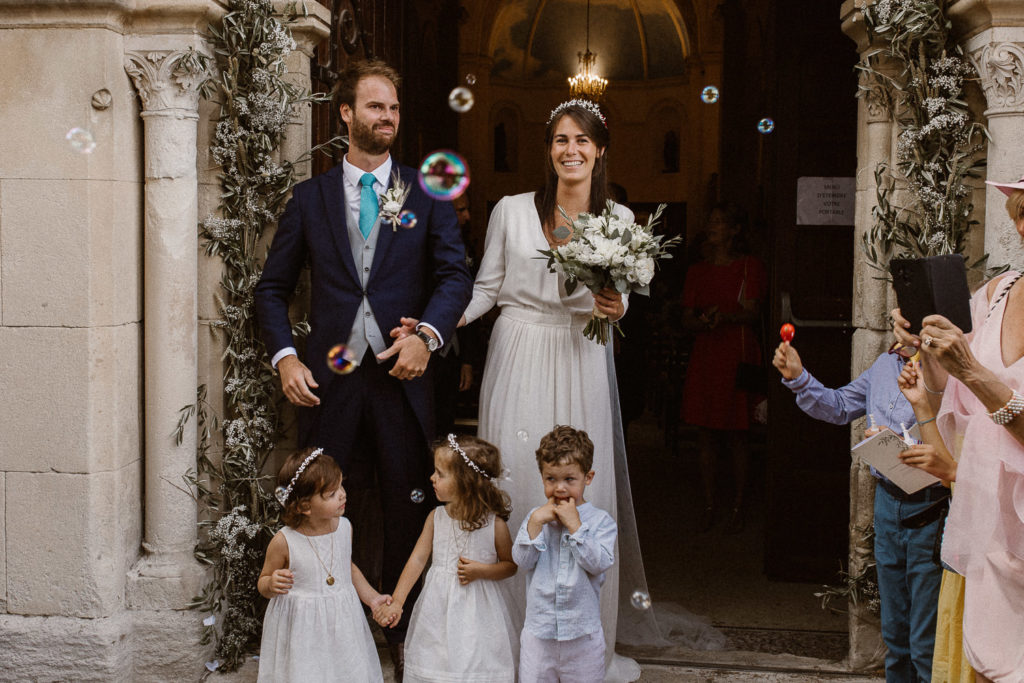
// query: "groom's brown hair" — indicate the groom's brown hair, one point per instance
point(566, 445)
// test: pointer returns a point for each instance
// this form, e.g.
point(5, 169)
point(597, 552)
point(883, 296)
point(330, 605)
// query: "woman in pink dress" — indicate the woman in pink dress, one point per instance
point(982, 375)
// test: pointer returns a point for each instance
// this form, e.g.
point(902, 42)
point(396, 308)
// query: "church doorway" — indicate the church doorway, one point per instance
point(783, 60)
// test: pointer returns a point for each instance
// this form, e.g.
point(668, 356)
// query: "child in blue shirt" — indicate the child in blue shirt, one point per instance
point(565, 546)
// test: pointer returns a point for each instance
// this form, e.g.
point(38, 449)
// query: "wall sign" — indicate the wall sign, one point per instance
point(825, 201)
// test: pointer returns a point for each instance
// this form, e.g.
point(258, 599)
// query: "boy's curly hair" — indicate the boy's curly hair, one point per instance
point(476, 496)
point(320, 476)
point(566, 445)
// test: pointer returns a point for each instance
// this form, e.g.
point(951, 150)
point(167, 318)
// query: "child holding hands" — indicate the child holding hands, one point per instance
point(314, 628)
point(567, 545)
point(460, 628)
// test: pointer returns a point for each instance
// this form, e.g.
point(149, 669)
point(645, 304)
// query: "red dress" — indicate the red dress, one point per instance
point(710, 396)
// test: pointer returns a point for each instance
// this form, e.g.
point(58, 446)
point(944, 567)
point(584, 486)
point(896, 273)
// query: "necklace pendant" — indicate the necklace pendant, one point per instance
point(330, 580)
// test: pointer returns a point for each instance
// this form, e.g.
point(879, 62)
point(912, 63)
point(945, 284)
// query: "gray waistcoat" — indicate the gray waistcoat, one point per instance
point(366, 332)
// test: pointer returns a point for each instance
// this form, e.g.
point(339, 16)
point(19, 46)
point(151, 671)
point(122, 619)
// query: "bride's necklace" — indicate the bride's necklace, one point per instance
point(330, 572)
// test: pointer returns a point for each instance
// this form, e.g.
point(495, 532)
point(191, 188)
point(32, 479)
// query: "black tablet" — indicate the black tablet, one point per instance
point(936, 284)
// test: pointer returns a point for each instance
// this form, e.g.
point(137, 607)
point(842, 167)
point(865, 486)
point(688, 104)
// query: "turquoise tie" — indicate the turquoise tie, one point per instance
point(367, 205)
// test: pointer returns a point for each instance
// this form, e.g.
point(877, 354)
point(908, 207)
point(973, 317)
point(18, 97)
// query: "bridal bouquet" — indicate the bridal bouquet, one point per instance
point(608, 251)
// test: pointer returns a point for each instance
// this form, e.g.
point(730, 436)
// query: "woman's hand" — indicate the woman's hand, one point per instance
point(609, 302)
point(901, 328)
point(912, 385)
point(946, 343)
point(926, 457)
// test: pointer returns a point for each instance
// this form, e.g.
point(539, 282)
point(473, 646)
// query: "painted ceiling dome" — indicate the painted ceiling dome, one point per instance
point(634, 40)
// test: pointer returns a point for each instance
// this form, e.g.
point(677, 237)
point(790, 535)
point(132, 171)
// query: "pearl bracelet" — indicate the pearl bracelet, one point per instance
point(1006, 414)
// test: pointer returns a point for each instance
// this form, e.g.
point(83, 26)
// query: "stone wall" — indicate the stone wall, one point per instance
point(101, 288)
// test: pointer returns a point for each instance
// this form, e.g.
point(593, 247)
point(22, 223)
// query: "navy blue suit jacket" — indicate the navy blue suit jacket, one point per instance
point(419, 272)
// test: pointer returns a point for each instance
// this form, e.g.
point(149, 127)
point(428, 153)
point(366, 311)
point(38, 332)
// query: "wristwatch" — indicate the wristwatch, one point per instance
point(431, 343)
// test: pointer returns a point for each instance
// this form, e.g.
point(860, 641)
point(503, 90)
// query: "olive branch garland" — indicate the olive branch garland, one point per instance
point(237, 510)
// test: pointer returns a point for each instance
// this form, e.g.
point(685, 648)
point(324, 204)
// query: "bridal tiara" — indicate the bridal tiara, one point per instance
point(583, 104)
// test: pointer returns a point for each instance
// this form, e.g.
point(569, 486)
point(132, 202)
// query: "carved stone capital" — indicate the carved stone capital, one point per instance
point(163, 82)
point(1001, 68)
point(877, 102)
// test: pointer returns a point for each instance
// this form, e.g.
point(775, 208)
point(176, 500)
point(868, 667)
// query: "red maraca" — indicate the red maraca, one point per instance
point(786, 332)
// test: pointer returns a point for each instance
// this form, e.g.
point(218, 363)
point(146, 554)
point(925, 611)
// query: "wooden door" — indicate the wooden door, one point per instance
point(794, 65)
point(420, 39)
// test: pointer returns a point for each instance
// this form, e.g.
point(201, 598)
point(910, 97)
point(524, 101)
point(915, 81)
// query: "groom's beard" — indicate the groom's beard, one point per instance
point(367, 139)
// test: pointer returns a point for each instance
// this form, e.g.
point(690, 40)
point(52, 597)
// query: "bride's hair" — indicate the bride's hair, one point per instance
point(545, 198)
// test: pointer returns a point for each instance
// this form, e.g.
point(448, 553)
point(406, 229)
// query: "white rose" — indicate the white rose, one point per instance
point(392, 207)
point(645, 271)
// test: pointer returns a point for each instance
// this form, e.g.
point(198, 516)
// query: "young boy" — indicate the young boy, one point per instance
point(565, 546)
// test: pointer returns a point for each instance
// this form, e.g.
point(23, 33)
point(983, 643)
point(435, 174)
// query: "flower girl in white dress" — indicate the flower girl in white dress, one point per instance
point(460, 628)
point(314, 628)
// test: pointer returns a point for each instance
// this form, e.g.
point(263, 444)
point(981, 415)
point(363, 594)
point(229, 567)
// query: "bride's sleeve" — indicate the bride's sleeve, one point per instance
point(491, 274)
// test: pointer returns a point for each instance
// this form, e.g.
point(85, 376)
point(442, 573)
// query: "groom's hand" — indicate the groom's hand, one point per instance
point(412, 357)
point(407, 329)
point(296, 381)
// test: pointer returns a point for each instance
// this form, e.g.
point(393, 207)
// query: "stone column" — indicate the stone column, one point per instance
point(1000, 63)
point(993, 38)
point(870, 308)
point(168, 575)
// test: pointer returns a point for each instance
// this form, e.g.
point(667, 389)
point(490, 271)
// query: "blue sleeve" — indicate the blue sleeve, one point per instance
point(594, 548)
point(526, 551)
point(837, 406)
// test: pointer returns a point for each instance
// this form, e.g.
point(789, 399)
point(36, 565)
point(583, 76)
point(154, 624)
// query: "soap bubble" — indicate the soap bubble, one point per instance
point(709, 95)
point(341, 360)
point(81, 140)
point(640, 600)
point(522, 435)
point(765, 126)
point(444, 175)
point(417, 496)
point(470, 79)
point(407, 219)
point(461, 99)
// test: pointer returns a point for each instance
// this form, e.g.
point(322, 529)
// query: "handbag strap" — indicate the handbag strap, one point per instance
point(1002, 294)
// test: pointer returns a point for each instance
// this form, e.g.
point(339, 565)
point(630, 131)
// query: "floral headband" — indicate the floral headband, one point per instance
point(454, 445)
point(282, 493)
point(583, 104)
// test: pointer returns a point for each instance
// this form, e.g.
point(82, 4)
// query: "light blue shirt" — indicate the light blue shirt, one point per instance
point(563, 597)
point(876, 392)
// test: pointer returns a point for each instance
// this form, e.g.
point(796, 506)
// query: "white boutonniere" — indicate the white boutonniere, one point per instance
point(391, 201)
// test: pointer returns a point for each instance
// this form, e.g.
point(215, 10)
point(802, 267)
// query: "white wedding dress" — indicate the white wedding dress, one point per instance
point(541, 372)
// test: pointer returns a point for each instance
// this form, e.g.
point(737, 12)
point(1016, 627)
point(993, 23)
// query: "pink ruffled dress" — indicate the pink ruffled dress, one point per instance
point(984, 536)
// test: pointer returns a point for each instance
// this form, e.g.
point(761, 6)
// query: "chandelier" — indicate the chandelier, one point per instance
point(587, 84)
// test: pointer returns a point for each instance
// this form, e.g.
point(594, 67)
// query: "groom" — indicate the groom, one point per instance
point(365, 275)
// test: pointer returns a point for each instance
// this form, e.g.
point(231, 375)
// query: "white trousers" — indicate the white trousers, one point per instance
point(580, 660)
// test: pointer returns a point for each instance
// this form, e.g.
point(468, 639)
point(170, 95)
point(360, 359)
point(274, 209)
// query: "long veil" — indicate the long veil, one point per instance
point(659, 625)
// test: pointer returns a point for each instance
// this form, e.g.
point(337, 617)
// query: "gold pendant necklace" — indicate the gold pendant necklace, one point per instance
point(330, 572)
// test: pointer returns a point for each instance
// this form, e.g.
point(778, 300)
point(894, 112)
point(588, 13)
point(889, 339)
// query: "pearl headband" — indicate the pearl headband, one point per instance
point(282, 493)
point(583, 104)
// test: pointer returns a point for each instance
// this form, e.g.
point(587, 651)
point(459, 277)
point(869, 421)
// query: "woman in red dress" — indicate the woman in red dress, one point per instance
point(721, 298)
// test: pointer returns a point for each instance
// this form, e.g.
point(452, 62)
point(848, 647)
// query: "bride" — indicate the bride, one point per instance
point(541, 371)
